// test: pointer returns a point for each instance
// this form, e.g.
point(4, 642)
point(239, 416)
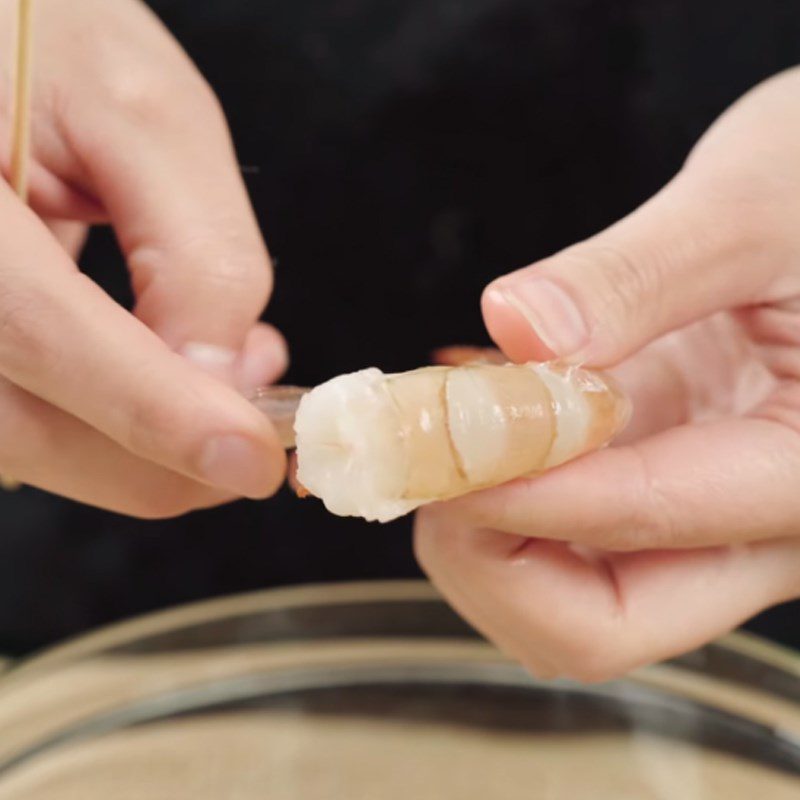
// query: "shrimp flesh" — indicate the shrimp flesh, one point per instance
point(379, 446)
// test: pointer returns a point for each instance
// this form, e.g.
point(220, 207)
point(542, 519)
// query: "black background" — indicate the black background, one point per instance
point(399, 155)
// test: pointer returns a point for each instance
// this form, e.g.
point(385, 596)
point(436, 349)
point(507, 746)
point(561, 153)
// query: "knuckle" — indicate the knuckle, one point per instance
point(648, 517)
point(653, 522)
point(159, 99)
point(137, 92)
point(651, 527)
point(160, 92)
point(215, 275)
point(245, 278)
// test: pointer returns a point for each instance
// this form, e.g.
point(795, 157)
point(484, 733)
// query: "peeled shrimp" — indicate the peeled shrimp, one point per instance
point(379, 446)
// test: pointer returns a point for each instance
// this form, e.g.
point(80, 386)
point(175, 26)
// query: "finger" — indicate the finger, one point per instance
point(159, 155)
point(53, 197)
point(593, 617)
point(64, 340)
point(777, 334)
point(44, 447)
point(734, 480)
point(71, 235)
point(263, 360)
point(704, 371)
point(683, 255)
point(200, 270)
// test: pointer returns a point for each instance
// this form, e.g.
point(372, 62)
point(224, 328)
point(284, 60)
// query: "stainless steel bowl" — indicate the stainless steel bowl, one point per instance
point(379, 691)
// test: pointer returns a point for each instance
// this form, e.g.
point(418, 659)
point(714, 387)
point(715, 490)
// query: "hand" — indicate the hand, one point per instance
point(692, 524)
point(131, 412)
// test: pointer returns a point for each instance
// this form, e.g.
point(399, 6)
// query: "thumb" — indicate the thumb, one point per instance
point(683, 255)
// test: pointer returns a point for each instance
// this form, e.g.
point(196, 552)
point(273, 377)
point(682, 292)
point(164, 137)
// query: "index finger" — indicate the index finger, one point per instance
point(733, 480)
point(64, 340)
point(158, 153)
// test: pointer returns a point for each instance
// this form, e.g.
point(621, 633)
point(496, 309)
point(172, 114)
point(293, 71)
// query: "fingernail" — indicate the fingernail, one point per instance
point(217, 361)
point(551, 312)
point(237, 465)
point(261, 366)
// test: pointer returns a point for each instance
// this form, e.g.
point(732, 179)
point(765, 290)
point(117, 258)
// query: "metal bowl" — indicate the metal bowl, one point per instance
point(379, 691)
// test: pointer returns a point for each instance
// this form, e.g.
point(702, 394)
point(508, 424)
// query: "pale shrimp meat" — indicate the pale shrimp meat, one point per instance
point(379, 446)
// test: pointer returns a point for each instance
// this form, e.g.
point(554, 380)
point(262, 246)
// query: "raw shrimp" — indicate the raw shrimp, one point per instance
point(378, 446)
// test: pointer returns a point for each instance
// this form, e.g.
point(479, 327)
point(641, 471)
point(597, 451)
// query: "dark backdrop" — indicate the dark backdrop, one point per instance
point(400, 154)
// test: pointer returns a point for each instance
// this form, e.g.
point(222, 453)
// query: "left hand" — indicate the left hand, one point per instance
point(140, 413)
point(692, 525)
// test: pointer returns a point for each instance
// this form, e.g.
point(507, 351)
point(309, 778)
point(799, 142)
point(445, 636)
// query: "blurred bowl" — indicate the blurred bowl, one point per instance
point(379, 692)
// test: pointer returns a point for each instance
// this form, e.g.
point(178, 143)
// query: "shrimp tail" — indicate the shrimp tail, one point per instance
point(464, 355)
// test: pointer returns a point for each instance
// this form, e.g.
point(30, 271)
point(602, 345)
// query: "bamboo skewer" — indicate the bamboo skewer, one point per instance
point(21, 124)
point(21, 115)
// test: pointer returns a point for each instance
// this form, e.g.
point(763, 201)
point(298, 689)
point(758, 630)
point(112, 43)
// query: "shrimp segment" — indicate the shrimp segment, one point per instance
point(378, 446)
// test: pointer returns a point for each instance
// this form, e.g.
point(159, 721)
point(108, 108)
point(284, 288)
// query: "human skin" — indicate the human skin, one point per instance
point(139, 413)
point(691, 524)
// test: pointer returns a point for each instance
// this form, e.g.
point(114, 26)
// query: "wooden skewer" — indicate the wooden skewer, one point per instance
point(21, 116)
point(21, 125)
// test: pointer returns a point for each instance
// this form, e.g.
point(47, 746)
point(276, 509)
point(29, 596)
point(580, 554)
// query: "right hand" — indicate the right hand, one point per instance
point(138, 413)
point(691, 523)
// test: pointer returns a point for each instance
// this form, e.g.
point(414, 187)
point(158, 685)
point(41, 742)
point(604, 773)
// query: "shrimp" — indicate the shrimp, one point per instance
point(379, 446)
